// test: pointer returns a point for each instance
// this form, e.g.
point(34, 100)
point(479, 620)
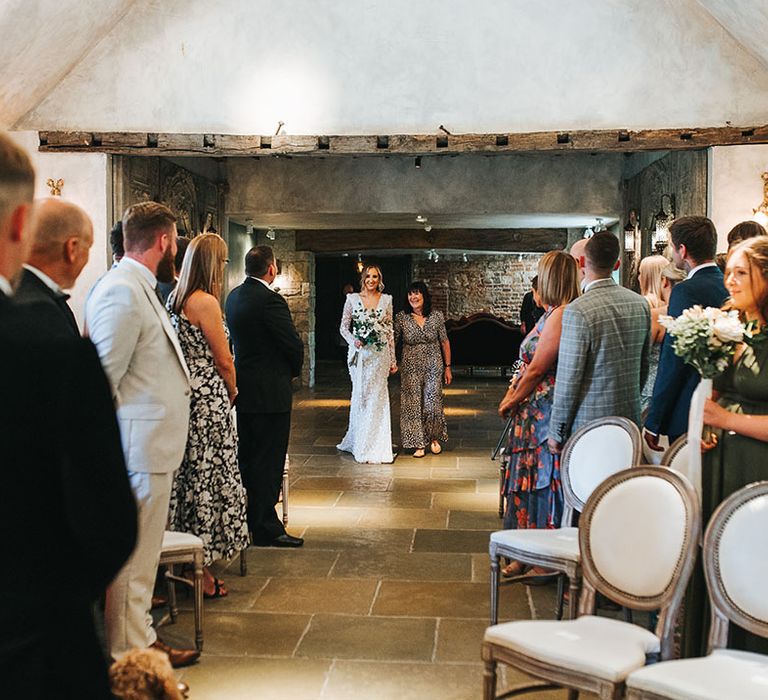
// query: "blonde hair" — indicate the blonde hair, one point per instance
point(558, 278)
point(370, 266)
point(650, 279)
point(673, 273)
point(202, 269)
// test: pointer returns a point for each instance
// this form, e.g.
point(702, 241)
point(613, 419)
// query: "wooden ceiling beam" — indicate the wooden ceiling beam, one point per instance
point(502, 240)
point(593, 141)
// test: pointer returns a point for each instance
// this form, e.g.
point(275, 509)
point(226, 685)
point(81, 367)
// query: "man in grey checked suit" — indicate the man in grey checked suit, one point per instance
point(603, 359)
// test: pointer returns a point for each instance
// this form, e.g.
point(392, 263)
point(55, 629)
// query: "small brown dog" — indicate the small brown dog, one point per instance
point(145, 674)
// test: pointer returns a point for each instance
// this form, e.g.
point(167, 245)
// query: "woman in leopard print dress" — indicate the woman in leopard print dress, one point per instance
point(426, 362)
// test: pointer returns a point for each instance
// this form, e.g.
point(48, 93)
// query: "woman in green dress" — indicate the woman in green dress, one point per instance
point(737, 454)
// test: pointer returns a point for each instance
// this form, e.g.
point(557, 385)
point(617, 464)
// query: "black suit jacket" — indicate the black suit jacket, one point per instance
point(67, 513)
point(59, 319)
point(268, 350)
point(675, 380)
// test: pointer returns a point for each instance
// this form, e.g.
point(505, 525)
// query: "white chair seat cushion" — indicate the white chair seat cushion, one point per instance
point(173, 541)
point(562, 543)
point(724, 675)
point(598, 646)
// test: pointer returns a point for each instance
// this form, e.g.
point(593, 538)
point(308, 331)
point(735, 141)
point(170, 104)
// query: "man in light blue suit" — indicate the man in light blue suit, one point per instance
point(604, 347)
point(694, 242)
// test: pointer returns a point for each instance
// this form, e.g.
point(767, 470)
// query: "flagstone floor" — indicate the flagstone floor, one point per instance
point(388, 598)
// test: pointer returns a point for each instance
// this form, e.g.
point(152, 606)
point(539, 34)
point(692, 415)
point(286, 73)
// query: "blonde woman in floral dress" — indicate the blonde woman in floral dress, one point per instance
point(533, 489)
point(366, 325)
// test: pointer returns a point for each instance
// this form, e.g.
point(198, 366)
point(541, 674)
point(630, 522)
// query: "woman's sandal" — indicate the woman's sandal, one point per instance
point(435, 448)
point(416, 453)
point(513, 569)
point(218, 590)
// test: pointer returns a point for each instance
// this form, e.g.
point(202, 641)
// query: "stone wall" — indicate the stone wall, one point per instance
point(489, 283)
point(296, 282)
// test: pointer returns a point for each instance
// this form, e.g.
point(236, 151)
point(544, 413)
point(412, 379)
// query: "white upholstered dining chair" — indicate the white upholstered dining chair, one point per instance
point(736, 569)
point(638, 535)
point(595, 451)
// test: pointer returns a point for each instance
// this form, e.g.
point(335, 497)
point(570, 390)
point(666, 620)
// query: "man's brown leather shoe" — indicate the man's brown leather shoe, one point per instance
point(177, 657)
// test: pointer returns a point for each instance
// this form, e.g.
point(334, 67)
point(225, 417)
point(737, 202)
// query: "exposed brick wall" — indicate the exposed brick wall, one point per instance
point(491, 283)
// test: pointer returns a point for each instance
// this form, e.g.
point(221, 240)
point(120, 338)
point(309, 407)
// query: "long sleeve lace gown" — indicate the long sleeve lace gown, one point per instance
point(369, 435)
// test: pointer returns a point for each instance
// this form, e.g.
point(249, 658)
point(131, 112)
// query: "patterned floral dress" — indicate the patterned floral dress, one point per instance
point(422, 418)
point(534, 492)
point(208, 497)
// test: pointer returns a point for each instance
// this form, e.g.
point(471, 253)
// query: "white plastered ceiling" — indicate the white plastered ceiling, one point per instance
point(381, 66)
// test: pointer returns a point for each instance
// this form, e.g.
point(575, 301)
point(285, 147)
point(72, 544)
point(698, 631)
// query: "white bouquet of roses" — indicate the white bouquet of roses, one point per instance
point(368, 328)
point(705, 338)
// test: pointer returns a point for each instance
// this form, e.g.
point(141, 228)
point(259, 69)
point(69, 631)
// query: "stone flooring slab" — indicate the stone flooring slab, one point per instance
point(240, 634)
point(386, 499)
point(473, 520)
point(313, 595)
point(444, 599)
point(381, 638)
point(239, 678)
point(451, 541)
point(349, 483)
point(417, 566)
point(441, 485)
point(403, 518)
point(391, 540)
point(353, 680)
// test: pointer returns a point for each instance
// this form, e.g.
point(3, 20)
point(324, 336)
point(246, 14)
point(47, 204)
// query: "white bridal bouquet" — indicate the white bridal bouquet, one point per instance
point(368, 327)
point(705, 338)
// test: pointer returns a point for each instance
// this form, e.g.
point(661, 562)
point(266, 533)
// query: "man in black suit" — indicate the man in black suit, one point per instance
point(67, 515)
point(63, 236)
point(268, 354)
point(694, 245)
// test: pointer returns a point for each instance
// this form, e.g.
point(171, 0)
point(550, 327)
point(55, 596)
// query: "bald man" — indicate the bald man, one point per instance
point(62, 238)
point(577, 251)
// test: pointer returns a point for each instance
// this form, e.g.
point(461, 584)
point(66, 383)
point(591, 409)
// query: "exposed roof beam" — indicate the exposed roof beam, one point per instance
point(137, 143)
point(501, 240)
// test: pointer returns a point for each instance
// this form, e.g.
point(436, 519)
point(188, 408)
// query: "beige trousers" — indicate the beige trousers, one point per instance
point(127, 616)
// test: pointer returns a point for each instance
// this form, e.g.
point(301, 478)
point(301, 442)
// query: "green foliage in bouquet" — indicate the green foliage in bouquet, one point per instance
point(706, 338)
point(368, 328)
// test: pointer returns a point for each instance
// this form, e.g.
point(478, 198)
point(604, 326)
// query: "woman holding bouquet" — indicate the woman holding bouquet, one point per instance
point(366, 325)
point(426, 362)
point(737, 452)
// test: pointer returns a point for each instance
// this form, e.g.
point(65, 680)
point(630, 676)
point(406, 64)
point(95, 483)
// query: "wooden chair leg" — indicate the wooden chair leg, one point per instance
point(198, 587)
point(574, 587)
point(560, 596)
point(285, 498)
point(494, 589)
point(244, 558)
point(489, 680)
point(173, 609)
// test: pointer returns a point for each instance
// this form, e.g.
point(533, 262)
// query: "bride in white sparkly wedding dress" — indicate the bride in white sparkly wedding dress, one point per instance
point(366, 325)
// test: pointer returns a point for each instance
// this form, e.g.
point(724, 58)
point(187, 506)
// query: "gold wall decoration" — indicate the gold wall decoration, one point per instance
point(55, 186)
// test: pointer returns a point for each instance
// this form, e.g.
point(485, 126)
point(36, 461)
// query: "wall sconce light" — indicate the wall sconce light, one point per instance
point(588, 232)
point(249, 226)
point(661, 222)
point(55, 186)
point(630, 232)
point(599, 225)
point(427, 227)
point(761, 213)
point(270, 234)
point(464, 257)
point(359, 265)
point(421, 219)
